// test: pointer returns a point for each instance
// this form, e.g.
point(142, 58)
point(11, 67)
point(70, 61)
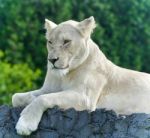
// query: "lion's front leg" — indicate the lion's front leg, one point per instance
point(31, 115)
point(23, 99)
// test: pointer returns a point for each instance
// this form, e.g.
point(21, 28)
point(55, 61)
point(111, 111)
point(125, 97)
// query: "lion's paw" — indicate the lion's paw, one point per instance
point(25, 127)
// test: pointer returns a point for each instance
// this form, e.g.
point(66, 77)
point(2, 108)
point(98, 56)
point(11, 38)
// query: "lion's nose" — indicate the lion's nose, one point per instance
point(53, 60)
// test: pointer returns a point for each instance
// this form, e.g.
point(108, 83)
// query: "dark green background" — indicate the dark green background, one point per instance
point(123, 34)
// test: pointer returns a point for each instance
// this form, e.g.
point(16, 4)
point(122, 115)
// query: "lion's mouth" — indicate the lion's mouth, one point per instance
point(54, 67)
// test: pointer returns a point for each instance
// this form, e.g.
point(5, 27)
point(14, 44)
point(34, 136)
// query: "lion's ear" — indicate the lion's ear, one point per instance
point(86, 26)
point(49, 25)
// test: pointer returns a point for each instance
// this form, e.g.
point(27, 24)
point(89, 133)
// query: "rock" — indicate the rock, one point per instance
point(57, 123)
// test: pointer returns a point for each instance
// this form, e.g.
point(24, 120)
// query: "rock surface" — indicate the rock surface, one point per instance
point(57, 123)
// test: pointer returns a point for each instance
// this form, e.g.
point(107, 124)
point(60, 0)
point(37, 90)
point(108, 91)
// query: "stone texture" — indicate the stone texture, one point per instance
point(57, 123)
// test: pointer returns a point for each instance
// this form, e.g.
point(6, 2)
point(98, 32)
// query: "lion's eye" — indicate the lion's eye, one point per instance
point(50, 42)
point(67, 41)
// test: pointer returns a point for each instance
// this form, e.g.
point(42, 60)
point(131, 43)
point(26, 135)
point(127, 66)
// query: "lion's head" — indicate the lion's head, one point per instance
point(67, 43)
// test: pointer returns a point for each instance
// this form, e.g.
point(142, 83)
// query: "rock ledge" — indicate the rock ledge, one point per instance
point(57, 123)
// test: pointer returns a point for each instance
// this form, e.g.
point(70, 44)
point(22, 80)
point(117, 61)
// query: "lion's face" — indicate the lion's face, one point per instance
point(66, 44)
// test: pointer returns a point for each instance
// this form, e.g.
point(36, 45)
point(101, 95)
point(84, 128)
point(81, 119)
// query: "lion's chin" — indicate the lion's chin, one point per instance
point(60, 72)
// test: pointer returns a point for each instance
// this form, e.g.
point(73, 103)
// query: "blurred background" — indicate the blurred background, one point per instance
point(122, 33)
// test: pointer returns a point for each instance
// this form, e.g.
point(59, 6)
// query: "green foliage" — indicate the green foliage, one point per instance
point(123, 32)
point(15, 78)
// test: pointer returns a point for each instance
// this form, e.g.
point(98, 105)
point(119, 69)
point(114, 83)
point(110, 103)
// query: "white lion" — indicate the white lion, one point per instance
point(80, 76)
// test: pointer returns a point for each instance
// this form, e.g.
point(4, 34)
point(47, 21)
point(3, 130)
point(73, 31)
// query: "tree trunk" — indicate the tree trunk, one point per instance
point(57, 123)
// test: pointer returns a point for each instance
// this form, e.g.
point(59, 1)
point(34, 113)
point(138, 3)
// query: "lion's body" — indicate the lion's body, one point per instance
point(82, 78)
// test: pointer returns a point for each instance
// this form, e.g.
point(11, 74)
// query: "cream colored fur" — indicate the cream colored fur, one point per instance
point(82, 78)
